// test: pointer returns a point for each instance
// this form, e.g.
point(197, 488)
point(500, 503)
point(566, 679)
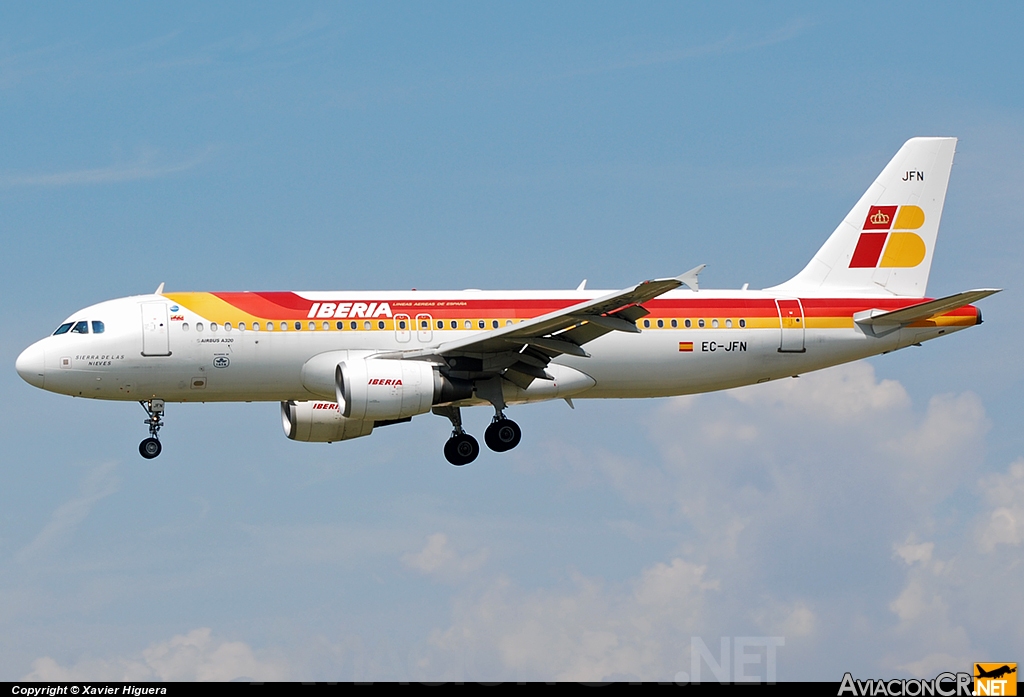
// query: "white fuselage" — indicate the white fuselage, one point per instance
point(734, 338)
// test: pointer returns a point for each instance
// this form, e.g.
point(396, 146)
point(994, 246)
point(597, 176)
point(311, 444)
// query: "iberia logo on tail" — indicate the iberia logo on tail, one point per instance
point(884, 229)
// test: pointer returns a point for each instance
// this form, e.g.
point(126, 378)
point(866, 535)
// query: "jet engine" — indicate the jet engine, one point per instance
point(381, 389)
point(320, 422)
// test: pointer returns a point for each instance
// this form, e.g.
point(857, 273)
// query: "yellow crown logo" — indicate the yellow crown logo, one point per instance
point(879, 218)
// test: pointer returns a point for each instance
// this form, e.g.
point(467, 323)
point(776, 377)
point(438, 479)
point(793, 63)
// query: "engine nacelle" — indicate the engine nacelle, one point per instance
point(381, 389)
point(320, 422)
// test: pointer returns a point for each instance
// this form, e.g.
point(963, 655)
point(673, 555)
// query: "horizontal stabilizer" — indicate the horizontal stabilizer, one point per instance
point(923, 311)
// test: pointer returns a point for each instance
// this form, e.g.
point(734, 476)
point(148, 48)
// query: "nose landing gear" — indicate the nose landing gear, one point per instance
point(150, 447)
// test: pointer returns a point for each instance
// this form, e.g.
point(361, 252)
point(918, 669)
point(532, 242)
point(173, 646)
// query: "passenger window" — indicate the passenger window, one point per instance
point(227, 326)
point(675, 323)
point(454, 325)
point(647, 324)
point(469, 325)
point(327, 325)
point(481, 324)
point(743, 322)
point(255, 326)
point(312, 326)
point(63, 329)
point(199, 326)
point(688, 324)
point(213, 326)
point(728, 323)
point(340, 325)
point(284, 326)
point(353, 325)
point(270, 326)
point(661, 324)
point(714, 323)
point(700, 323)
point(440, 324)
point(380, 324)
point(241, 326)
point(80, 328)
point(494, 324)
point(97, 327)
point(298, 326)
point(508, 323)
point(401, 324)
point(424, 324)
point(184, 326)
point(366, 325)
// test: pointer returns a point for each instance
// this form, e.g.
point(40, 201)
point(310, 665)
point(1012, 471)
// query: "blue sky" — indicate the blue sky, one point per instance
point(872, 514)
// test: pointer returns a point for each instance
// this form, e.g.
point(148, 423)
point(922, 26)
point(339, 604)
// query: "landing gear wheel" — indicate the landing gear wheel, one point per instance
point(461, 449)
point(503, 435)
point(150, 448)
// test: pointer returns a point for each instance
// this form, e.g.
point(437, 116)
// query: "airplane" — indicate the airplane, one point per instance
point(344, 363)
point(995, 673)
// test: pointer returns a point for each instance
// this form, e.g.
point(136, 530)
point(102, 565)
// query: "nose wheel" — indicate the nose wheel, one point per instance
point(150, 447)
point(503, 434)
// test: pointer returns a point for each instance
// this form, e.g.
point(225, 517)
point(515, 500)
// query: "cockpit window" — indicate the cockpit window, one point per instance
point(80, 327)
point(97, 327)
point(63, 329)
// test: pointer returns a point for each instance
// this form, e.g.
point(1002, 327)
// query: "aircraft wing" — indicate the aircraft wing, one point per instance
point(521, 351)
point(925, 310)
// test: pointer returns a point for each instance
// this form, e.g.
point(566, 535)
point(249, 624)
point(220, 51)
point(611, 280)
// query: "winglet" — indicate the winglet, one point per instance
point(159, 289)
point(689, 279)
point(582, 285)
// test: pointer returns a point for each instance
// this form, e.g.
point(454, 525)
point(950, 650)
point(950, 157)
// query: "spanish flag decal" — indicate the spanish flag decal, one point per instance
point(686, 346)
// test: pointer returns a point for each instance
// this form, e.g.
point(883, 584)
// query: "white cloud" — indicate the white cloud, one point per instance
point(438, 558)
point(98, 484)
point(910, 552)
point(145, 166)
point(782, 510)
point(836, 395)
point(790, 620)
point(802, 482)
point(194, 656)
point(1004, 524)
point(591, 631)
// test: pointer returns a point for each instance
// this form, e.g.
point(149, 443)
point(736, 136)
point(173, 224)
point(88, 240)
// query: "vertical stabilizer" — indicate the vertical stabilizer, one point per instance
point(885, 243)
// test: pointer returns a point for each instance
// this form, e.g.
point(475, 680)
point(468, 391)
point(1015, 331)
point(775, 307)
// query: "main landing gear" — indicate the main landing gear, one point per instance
point(150, 447)
point(502, 435)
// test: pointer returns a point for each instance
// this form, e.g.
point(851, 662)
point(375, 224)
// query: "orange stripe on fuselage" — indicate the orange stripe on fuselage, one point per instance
point(819, 313)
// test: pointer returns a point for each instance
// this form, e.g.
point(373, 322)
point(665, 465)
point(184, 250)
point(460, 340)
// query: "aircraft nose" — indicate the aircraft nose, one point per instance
point(31, 365)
